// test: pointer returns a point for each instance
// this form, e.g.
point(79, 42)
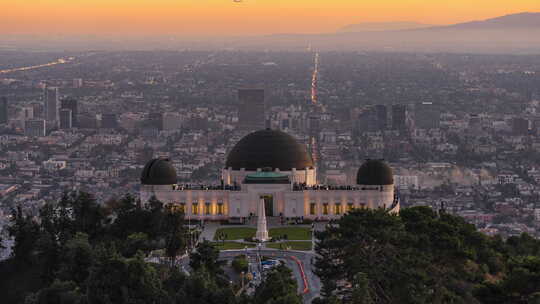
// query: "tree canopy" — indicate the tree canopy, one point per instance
point(422, 256)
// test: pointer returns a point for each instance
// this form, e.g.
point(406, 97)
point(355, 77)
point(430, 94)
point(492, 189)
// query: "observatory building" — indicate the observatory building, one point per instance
point(274, 166)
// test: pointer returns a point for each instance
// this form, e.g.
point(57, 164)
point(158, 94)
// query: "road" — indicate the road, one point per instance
point(33, 67)
point(314, 283)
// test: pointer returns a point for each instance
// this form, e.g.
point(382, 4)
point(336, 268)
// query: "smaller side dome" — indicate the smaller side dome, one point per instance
point(374, 172)
point(158, 171)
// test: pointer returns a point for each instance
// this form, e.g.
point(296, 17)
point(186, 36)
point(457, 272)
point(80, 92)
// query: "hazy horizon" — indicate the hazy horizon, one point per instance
point(214, 18)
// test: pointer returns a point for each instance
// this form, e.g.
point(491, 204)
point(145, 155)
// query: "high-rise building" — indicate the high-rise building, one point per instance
point(35, 128)
point(38, 109)
point(427, 115)
point(3, 110)
point(520, 126)
point(109, 121)
point(399, 117)
point(382, 117)
point(155, 120)
point(66, 119)
point(27, 113)
point(172, 121)
point(87, 121)
point(71, 104)
point(51, 103)
point(251, 115)
point(77, 83)
point(368, 120)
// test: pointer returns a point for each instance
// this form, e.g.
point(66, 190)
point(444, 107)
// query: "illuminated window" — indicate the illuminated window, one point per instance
point(220, 208)
point(338, 209)
point(195, 208)
point(207, 208)
point(312, 208)
point(325, 209)
point(182, 207)
point(350, 207)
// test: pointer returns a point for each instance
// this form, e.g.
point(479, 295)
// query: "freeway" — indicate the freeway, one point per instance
point(33, 67)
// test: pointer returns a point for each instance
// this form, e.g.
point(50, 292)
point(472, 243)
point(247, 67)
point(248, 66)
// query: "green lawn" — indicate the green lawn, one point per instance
point(305, 246)
point(236, 233)
point(232, 245)
point(293, 233)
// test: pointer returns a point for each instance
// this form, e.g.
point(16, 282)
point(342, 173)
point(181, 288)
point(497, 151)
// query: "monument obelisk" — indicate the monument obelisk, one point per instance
point(262, 231)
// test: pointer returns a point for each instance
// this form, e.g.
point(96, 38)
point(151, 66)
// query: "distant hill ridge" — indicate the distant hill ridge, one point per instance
point(520, 20)
point(382, 26)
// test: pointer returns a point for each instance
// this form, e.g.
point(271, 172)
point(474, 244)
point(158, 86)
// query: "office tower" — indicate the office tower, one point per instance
point(77, 83)
point(109, 121)
point(35, 128)
point(3, 110)
point(51, 104)
point(66, 119)
point(314, 124)
point(251, 114)
point(87, 121)
point(73, 105)
point(38, 109)
point(172, 121)
point(382, 117)
point(155, 120)
point(520, 126)
point(27, 113)
point(368, 120)
point(399, 117)
point(427, 115)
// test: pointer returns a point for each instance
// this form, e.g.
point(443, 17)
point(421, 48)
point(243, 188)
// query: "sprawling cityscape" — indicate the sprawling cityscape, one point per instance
point(460, 131)
point(349, 167)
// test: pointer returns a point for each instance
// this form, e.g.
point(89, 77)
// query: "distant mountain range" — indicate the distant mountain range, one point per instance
point(382, 26)
point(521, 20)
point(510, 34)
point(515, 34)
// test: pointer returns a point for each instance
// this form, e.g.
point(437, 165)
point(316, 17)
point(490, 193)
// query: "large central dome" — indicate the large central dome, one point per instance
point(374, 172)
point(269, 149)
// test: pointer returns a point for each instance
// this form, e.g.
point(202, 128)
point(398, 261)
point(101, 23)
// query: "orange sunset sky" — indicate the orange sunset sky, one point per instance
point(225, 17)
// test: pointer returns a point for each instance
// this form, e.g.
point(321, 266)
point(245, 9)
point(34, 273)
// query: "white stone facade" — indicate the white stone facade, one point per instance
point(322, 203)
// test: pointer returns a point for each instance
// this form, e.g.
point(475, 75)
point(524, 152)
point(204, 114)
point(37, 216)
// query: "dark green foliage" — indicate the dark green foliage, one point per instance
point(25, 232)
point(79, 251)
point(422, 256)
point(77, 259)
point(206, 256)
point(278, 288)
point(59, 292)
point(115, 279)
point(240, 263)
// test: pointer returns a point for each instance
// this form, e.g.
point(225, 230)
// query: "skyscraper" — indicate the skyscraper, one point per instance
point(382, 117)
point(35, 128)
point(27, 113)
point(38, 109)
point(427, 115)
point(520, 126)
point(51, 104)
point(368, 120)
point(399, 117)
point(155, 120)
point(71, 104)
point(66, 119)
point(251, 114)
point(109, 121)
point(3, 110)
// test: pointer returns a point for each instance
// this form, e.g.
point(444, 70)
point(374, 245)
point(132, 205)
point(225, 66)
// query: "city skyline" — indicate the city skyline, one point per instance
point(230, 18)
